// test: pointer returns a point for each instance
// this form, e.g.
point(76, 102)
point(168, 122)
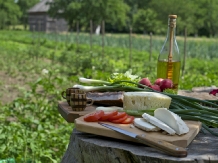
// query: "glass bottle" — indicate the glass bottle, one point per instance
point(168, 66)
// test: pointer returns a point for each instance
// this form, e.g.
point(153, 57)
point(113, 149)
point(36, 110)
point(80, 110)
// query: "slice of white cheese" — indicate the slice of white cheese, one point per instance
point(172, 120)
point(158, 123)
point(145, 100)
point(144, 125)
point(109, 108)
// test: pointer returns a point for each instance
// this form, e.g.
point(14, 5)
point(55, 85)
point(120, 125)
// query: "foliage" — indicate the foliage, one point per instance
point(127, 76)
point(112, 11)
point(197, 16)
point(9, 13)
point(143, 21)
point(142, 15)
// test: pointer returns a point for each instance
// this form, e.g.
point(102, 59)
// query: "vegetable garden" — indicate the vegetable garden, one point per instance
point(31, 128)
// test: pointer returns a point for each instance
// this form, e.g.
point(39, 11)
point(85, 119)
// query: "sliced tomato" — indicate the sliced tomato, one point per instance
point(120, 119)
point(107, 115)
point(128, 120)
point(94, 117)
point(118, 116)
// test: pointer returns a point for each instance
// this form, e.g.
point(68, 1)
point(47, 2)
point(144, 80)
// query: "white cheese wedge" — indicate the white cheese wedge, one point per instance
point(109, 108)
point(172, 120)
point(158, 123)
point(144, 125)
point(145, 100)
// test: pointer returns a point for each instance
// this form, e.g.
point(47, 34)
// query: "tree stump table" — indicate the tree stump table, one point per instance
point(89, 148)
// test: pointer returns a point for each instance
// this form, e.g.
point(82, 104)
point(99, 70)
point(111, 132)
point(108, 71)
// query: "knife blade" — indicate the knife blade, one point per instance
point(162, 145)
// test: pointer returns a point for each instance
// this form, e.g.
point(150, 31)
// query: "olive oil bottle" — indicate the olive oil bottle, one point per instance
point(168, 66)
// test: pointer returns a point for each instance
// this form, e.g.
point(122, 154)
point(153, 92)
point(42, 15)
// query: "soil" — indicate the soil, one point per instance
point(200, 93)
point(10, 89)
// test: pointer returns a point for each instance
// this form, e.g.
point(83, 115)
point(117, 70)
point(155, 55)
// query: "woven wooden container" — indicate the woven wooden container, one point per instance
point(66, 94)
point(79, 101)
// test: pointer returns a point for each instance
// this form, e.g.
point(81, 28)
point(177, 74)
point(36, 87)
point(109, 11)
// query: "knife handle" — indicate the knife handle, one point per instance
point(163, 146)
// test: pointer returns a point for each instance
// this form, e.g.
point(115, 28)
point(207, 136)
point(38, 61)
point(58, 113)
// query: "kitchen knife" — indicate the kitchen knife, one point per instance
point(155, 143)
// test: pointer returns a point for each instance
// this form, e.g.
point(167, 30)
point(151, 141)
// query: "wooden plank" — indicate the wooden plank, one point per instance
point(69, 115)
point(97, 129)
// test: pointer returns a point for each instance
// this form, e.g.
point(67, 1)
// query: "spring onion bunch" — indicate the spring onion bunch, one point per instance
point(188, 108)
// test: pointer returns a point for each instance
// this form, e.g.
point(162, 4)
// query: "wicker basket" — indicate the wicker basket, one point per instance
point(79, 101)
point(66, 94)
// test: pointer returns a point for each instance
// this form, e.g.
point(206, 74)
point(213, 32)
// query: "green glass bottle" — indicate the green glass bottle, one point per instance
point(168, 65)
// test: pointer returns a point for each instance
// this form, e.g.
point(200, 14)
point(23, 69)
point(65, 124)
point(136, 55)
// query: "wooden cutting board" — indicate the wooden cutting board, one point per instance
point(97, 129)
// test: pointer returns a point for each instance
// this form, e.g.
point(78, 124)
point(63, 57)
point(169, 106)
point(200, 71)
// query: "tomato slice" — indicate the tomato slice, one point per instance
point(94, 117)
point(128, 120)
point(120, 119)
point(107, 115)
point(118, 116)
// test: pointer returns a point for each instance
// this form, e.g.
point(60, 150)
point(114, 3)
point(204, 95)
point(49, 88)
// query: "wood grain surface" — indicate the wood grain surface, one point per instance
point(97, 129)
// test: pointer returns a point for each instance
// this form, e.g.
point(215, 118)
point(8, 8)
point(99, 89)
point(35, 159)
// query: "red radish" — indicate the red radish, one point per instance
point(156, 87)
point(158, 81)
point(166, 84)
point(145, 81)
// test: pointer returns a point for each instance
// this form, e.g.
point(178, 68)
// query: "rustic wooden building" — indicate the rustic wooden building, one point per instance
point(39, 19)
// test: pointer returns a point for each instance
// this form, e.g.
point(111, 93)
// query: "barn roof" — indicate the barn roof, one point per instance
point(42, 6)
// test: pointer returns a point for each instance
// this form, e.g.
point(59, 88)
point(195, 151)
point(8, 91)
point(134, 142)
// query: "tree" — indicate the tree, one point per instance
point(111, 11)
point(9, 13)
point(135, 5)
point(210, 15)
point(185, 9)
point(25, 5)
point(146, 21)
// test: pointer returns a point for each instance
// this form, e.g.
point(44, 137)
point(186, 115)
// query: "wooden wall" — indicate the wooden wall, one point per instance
point(42, 22)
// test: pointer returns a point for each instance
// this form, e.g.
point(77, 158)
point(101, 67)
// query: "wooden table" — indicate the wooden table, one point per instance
point(69, 115)
point(89, 148)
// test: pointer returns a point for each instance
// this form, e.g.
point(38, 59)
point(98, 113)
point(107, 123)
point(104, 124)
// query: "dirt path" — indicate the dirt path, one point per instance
point(10, 87)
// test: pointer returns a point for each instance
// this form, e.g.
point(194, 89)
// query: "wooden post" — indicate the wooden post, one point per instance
point(102, 31)
point(33, 34)
point(77, 33)
point(130, 47)
point(56, 40)
point(39, 30)
point(184, 57)
point(91, 31)
point(150, 46)
point(77, 44)
point(66, 38)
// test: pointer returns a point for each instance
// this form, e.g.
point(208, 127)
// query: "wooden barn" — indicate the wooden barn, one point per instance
point(39, 19)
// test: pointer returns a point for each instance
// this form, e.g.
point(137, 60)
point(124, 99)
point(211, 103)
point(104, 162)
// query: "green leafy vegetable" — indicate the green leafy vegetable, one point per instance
point(124, 76)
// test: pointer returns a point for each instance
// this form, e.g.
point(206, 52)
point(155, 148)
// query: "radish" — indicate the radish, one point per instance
point(145, 81)
point(158, 81)
point(156, 87)
point(166, 84)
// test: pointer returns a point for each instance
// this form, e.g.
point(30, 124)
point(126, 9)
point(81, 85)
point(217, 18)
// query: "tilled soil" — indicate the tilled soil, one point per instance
point(10, 87)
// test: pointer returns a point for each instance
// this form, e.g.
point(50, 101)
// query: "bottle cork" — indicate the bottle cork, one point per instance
point(172, 16)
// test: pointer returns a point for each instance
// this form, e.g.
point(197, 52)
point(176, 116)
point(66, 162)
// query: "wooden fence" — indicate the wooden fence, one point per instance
point(91, 33)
